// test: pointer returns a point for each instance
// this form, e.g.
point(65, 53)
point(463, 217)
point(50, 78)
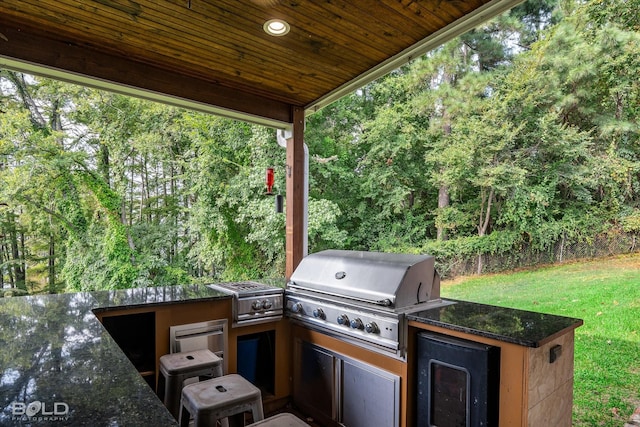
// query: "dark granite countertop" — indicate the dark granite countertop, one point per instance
point(138, 297)
point(58, 363)
point(525, 328)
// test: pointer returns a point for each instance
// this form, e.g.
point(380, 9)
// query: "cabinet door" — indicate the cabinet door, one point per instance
point(370, 396)
point(314, 381)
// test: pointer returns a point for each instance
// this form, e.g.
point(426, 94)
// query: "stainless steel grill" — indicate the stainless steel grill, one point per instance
point(253, 302)
point(362, 297)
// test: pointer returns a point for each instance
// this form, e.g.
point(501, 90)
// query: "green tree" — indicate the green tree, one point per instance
point(579, 126)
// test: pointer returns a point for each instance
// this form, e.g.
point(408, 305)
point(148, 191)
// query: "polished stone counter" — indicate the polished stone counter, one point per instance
point(525, 328)
point(59, 366)
point(138, 297)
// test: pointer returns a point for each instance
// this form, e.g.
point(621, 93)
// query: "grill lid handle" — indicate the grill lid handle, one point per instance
point(385, 302)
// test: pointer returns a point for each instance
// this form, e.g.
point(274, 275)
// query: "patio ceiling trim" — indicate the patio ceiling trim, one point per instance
point(29, 51)
point(120, 88)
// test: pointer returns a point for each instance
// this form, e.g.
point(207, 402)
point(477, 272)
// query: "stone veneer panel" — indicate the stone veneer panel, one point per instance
point(546, 378)
point(555, 410)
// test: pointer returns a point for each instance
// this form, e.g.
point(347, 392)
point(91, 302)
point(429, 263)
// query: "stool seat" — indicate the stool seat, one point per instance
point(281, 420)
point(175, 368)
point(211, 400)
point(190, 361)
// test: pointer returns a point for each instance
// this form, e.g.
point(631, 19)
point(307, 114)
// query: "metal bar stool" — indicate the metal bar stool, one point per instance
point(218, 398)
point(175, 368)
point(281, 420)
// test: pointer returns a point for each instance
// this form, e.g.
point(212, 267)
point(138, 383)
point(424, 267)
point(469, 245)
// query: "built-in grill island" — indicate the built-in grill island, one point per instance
point(348, 310)
point(374, 344)
point(362, 297)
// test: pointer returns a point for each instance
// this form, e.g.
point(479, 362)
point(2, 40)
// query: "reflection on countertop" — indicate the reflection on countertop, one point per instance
point(131, 298)
point(59, 366)
point(525, 328)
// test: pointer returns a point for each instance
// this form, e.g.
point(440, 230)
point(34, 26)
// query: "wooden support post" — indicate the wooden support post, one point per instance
point(295, 193)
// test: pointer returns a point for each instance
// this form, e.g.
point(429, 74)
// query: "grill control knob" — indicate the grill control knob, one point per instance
point(357, 324)
point(267, 304)
point(318, 313)
point(256, 305)
point(371, 328)
point(343, 320)
point(296, 307)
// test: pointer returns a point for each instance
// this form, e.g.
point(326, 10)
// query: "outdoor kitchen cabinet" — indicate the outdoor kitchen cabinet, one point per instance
point(126, 308)
point(142, 332)
point(137, 343)
point(273, 362)
point(336, 383)
point(339, 389)
point(536, 361)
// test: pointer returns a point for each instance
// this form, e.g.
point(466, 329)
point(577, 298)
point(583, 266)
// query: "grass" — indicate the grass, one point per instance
point(605, 293)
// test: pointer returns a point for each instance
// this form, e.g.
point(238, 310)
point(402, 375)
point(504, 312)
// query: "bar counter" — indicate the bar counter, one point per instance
point(60, 366)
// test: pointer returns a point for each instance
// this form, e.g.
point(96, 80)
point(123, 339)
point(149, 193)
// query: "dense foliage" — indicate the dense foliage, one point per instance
point(520, 132)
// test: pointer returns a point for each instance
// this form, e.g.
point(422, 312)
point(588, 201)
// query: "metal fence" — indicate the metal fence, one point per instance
point(564, 250)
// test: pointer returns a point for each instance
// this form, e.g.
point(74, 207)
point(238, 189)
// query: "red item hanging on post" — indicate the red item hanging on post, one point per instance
point(270, 180)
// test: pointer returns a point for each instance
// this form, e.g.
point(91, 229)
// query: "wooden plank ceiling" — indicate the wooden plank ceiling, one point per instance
point(215, 52)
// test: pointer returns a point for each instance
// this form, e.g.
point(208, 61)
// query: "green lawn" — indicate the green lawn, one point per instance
point(604, 293)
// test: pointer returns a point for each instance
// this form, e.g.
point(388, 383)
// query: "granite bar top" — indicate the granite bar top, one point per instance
point(138, 297)
point(525, 328)
point(59, 366)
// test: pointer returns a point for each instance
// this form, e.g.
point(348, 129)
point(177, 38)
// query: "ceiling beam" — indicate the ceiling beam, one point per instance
point(30, 51)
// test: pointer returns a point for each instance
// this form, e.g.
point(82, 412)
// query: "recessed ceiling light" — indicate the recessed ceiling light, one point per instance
point(276, 27)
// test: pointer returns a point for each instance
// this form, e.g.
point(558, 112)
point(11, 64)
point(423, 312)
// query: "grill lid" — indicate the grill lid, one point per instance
point(385, 279)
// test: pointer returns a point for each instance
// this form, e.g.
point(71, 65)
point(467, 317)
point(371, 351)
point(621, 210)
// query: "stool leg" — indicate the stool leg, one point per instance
point(206, 421)
point(257, 411)
point(173, 391)
point(161, 385)
point(217, 370)
point(184, 416)
point(235, 420)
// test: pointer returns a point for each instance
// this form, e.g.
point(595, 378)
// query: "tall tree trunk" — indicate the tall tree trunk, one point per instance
point(123, 220)
point(483, 221)
point(131, 191)
point(443, 191)
point(37, 120)
point(156, 189)
point(104, 164)
point(23, 258)
point(141, 202)
point(6, 257)
point(146, 189)
point(443, 202)
point(171, 213)
point(16, 261)
point(2, 261)
point(52, 264)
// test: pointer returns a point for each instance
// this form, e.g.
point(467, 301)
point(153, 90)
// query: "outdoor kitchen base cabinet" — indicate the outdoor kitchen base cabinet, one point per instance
point(536, 382)
point(458, 382)
point(137, 343)
point(337, 390)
